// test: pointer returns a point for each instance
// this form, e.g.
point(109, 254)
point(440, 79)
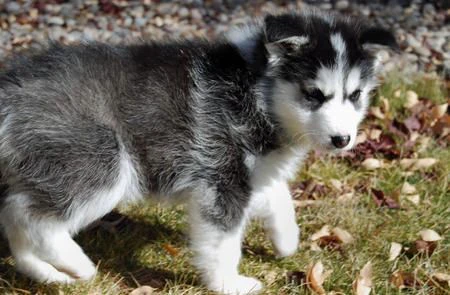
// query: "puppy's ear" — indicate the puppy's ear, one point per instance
point(371, 38)
point(287, 46)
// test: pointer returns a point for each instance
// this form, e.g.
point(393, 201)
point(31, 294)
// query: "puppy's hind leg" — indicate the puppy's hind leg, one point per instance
point(43, 249)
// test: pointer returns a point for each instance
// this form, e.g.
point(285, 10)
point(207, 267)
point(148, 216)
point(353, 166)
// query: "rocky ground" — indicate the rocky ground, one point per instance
point(422, 27)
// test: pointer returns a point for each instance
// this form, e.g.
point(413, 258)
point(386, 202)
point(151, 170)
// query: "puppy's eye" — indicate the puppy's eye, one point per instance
point(354, 96)
point(315, 95)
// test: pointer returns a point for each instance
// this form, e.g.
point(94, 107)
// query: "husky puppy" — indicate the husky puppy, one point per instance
point(86, 127)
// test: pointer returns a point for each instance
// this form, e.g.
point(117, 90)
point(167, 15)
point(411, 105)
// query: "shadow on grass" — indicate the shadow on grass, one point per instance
point(114, 249)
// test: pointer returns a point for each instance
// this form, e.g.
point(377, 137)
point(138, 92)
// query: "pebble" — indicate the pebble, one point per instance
point(422, 51)
point(12, 7)
point(55, 20)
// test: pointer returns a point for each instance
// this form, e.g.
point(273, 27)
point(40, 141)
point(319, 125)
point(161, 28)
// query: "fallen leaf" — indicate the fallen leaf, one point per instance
point(315, 278)
point(337, 184)
point(315, 247)
point(417, 164)
point(324, 231)
point(441, 278)
point(345, 197)
point(415, 199)
point(363, 284)
point(395, 250)
point(297, 278)
point(171, 250)
point(397, 93)
point(412, 123)
point(306, 203)
point(375, 134)
point(372, 164)
point(344, 236)
point(385, 104)
point(143, 290)
point(408, 189)
point(424, 163)
point(330, 242)
point(411, 99)
point(430, 235)
point(421, 247)
point(383, 201)
point(362, 137)
point(376, 112)
point(401, 279)
point(439, 111)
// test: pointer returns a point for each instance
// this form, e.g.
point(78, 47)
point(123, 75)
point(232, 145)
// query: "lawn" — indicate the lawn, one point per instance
point(149, 245)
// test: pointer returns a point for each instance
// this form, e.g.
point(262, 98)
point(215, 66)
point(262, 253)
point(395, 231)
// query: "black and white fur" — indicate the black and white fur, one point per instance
point(223, 124)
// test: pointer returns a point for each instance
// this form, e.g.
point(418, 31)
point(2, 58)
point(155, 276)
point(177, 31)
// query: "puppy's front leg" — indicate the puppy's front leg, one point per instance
point(216, 236)
point(273, 203)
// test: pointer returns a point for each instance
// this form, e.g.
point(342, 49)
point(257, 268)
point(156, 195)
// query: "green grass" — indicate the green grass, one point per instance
point(136, 254)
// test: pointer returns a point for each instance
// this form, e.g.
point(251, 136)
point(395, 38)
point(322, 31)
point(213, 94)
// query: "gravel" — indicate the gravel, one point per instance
point(421, 27)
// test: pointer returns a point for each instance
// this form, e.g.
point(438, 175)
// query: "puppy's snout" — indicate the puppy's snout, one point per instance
point(340, 141)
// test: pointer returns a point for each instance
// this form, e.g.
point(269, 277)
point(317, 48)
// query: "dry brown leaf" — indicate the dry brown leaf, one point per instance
point(362, 137)
point(171, 250)
point(372, 164)
point(411, 99)
point(421, 247)
point(315, 278)
point(345, 197)
point(429, 235)
point(143, 290)
point(376, 112)
point(424, 163)
point(363, 284)
point(401, 279)
point(315, 247)
point(324, 231)
point(306, 203)
point(408, 189)
point(297, 278)
point(337, 184)
point(439, 111)
point(415, 199)
point(385, 103)
point(395, 250)
point(441, 278)
point(417, 164)
point(375, 134)
point(344, 236)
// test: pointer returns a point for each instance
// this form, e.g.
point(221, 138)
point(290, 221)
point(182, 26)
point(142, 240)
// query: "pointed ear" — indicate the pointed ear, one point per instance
point(287, 46)
point(375, 37)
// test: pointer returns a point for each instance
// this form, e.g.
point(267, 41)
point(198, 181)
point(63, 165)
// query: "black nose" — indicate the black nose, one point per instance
point(340, 141)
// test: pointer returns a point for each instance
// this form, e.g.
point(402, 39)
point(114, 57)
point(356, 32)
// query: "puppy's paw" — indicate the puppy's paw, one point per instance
point(84, 272)
point(285, 240)
point(238, 285)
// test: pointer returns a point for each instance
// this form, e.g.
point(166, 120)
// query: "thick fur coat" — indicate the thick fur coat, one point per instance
point(222, 124)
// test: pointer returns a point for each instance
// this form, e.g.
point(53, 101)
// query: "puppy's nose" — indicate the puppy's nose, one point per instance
point(340, 141)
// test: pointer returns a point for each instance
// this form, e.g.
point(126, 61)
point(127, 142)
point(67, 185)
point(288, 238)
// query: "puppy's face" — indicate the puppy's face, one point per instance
point(322, 77)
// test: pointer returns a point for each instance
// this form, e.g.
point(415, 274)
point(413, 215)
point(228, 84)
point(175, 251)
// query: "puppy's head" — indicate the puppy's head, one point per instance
point(322, 69)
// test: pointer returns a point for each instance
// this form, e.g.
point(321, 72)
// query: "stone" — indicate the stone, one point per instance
point(342, 5)
point(12, 7)
point(55, 20)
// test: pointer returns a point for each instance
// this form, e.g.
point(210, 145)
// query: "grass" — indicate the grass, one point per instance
point(150, 247)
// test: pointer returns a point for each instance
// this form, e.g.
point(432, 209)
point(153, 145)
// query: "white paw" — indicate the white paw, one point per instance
point(238, 285)
point(285, 240)
point(84, 273)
